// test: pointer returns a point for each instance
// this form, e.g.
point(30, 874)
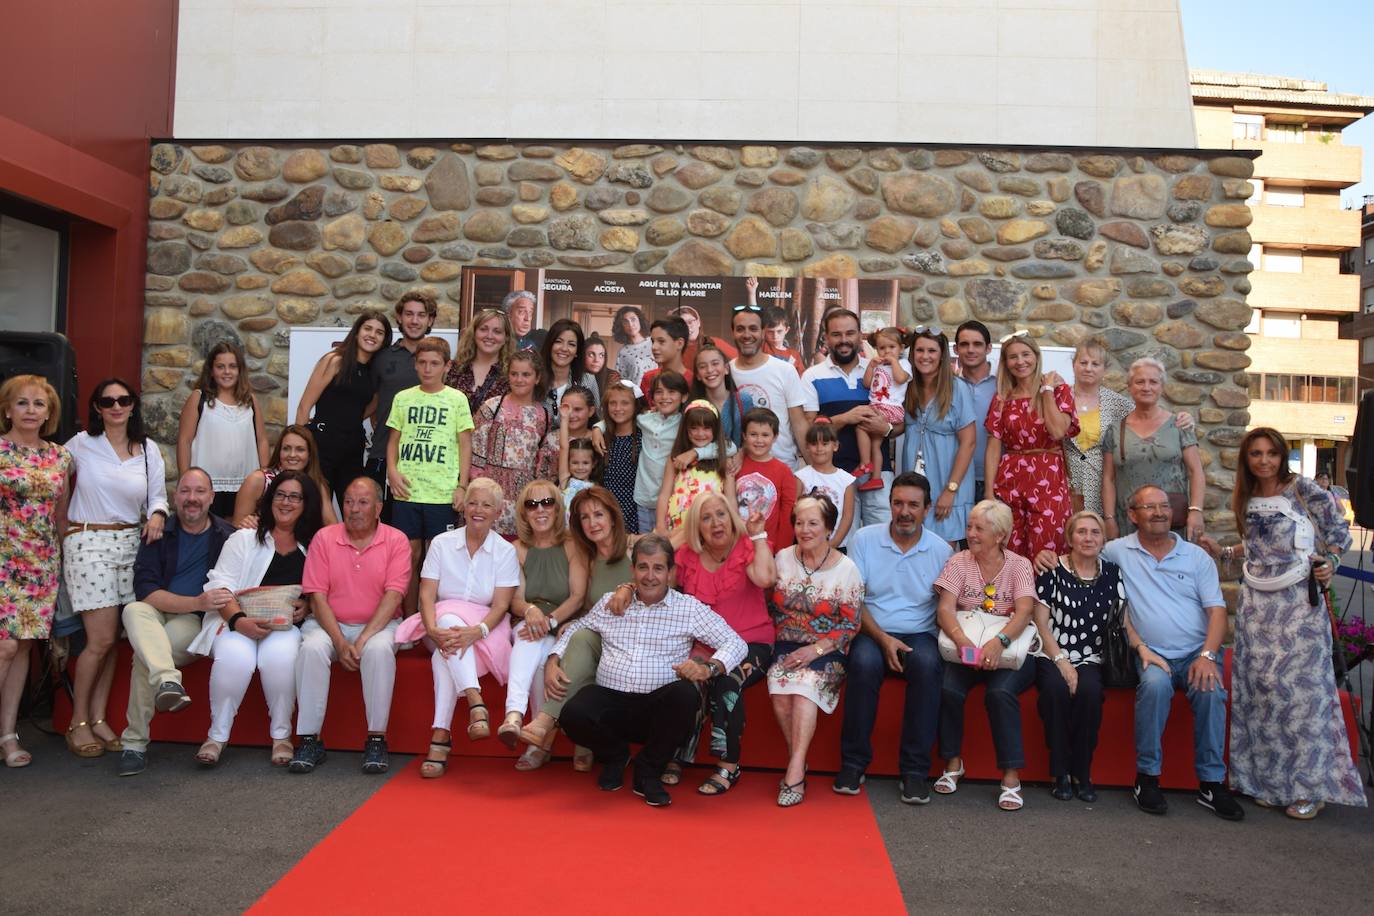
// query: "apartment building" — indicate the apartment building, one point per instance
point(1360, 263)
point(1303, 380)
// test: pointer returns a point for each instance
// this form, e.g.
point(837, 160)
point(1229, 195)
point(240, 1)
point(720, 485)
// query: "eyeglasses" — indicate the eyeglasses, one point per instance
point(105, 402)
point(544, 502)
point(1153, 507)
point(748, 308)
point(283, 497)
point(1012, 336)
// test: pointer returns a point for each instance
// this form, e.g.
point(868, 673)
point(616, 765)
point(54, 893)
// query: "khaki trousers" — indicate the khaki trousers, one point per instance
point(159, 642)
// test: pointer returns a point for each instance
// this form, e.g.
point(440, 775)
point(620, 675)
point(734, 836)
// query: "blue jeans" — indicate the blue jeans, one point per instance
point(920, 712)
point(873, 508)
point(1152, 700)
point(1003, 702)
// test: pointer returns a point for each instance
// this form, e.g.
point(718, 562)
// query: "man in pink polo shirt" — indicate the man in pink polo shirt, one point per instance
point(356, 573)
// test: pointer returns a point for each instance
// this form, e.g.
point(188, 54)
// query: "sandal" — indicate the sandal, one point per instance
point(583, 759)
point(478, 728)
point(209, 752)
point(533, 758)
point(535, 734)
point(672, 774)
point(1304, 810)
point(509, 732)
point(91, 749)
point(282, 752)
point(719, 782)
point(948, 783)
point(432, 767)
point(17, 757)
point(1010, 798)
point(114, 745)
point(789, 797)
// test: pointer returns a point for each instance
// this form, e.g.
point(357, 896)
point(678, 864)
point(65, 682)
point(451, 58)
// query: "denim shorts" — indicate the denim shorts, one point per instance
point(422, 521)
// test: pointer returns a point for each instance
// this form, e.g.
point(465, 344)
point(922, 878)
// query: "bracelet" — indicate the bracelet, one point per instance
point(1045, 388)
point(233, 621)
point(486, 630)
point(1109, 518)
point(758, 537)
point(1061, 657)
point(1194, 508)
point(819, 650)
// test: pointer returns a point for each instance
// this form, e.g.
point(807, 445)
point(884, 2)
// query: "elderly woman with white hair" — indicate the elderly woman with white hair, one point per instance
point(467, 582)
point(986, 577)
point(1147, 447)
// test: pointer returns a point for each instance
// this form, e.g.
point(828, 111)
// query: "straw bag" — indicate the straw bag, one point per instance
point(274, 603)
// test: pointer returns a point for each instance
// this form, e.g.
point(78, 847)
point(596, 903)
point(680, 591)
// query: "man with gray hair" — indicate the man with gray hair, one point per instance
point(648, 684)
point(520, 305)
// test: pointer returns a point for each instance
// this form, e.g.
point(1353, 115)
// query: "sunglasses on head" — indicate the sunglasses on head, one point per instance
point(748, 308)
point(1015, 334)
point(543, 502)
point(922, 330)
point(105, 402)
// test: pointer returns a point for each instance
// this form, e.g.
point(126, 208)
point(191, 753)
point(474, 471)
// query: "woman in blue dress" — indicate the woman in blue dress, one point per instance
point(940, 433)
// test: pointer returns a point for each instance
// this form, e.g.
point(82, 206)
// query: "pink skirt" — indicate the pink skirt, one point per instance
point(493, 653)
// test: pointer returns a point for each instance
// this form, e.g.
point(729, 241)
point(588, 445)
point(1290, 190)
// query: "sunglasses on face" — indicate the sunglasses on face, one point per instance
point(281, 497)
point(543, 502)
point(105, 402)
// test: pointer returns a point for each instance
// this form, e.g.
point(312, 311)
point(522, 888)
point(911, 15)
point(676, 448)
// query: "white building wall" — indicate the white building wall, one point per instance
point(1071, 72)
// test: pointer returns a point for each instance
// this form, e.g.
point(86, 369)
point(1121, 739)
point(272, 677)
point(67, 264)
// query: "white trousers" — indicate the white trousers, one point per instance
point(313, 665)
point(236, 657)
point(527, 663)
point(452, 675)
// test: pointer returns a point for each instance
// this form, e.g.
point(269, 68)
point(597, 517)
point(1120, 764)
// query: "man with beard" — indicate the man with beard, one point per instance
point(169, 583)
point(770, 382)
point(520, 305)
point(835, 388)
point(899, 562)
point(393, 371)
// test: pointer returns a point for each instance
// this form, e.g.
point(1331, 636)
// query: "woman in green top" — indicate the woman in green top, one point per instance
point(1147, 447)
point(598, 529)
point(553, 585)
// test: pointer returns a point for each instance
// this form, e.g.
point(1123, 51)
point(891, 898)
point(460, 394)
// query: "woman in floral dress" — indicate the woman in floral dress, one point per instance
point(1289, 746)
point(34, 483)
point(1027, 422)
point(816, 606)
point(515, 440)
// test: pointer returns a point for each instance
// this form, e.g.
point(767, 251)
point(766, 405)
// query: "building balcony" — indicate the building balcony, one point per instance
point(1304, 292)
point(1322, 165)
point(1305, 228)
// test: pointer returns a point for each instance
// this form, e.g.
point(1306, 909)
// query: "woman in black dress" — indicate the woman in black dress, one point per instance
point(1076, 600)
point(342, 393)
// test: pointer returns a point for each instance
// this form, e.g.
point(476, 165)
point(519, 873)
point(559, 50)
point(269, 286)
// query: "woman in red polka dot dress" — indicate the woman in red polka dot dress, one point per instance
point(1027, 423)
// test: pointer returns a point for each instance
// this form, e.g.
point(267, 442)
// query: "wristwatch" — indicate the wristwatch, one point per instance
point(1005, 640)
point(952, 487)
point(552, 622)
point(1210, 656)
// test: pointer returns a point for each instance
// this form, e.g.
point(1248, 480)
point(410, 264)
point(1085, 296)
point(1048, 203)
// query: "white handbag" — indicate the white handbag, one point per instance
point(979, 627)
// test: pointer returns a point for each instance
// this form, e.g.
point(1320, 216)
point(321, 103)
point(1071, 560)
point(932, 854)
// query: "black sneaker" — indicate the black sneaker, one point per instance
point(132, 762)
point(914, 790)
point(652, 791)
point(1217, 798)
point(847, 781)
point(375, 756)
point(309, 755)
point(170, 697)
point(612, 775)
point(1062, 788)
point(1085, 792)
point(1147, 795)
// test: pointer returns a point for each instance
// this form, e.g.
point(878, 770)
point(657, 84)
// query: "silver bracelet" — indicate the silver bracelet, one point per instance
point(486, 630)
point(758, 537)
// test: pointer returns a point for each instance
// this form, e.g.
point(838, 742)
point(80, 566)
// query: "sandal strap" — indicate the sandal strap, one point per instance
point(12, 736)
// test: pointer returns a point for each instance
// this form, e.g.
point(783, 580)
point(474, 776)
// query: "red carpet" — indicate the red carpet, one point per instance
point(486, 839)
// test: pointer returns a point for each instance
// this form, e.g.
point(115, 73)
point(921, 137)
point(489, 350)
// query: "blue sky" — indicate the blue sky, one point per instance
point(1327, 40)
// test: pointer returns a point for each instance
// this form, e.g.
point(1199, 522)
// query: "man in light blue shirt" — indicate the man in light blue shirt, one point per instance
point(972, 341)
point(899, 562)
point(1176, 623)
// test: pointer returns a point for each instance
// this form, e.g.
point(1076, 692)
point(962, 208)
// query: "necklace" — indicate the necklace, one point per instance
point(1081, 581)
point(808, 587)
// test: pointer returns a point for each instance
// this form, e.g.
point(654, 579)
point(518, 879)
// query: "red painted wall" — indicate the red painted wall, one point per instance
point(83, 87)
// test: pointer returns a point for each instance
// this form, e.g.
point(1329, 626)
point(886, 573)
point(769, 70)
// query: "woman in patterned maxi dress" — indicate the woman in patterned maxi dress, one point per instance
point(34, 483)
point(1025, 455)
point(1288, 740)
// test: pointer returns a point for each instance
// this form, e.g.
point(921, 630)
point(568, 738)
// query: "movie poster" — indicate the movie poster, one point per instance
point(619, 308)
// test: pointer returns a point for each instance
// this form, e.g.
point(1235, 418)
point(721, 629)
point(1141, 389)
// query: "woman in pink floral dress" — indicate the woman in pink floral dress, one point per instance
point(1027, 422)
point(515, 440)
point(34, 483)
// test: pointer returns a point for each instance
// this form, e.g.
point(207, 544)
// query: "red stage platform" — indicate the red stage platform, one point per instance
point(412, 710)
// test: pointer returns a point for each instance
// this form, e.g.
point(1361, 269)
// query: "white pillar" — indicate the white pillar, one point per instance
point(1309, 458)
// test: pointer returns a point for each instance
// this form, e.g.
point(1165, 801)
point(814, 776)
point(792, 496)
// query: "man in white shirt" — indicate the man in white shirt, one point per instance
point(646, 686)
point(771, 382)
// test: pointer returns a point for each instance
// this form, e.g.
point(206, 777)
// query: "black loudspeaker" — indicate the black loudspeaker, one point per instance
point(1359, 463)
point(51, 356)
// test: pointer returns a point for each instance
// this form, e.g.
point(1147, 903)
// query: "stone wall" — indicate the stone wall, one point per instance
point(247, 241)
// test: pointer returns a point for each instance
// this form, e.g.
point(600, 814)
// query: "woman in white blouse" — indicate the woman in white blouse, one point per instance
point(273, 554)
point(466, 585)
point(119, 477)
